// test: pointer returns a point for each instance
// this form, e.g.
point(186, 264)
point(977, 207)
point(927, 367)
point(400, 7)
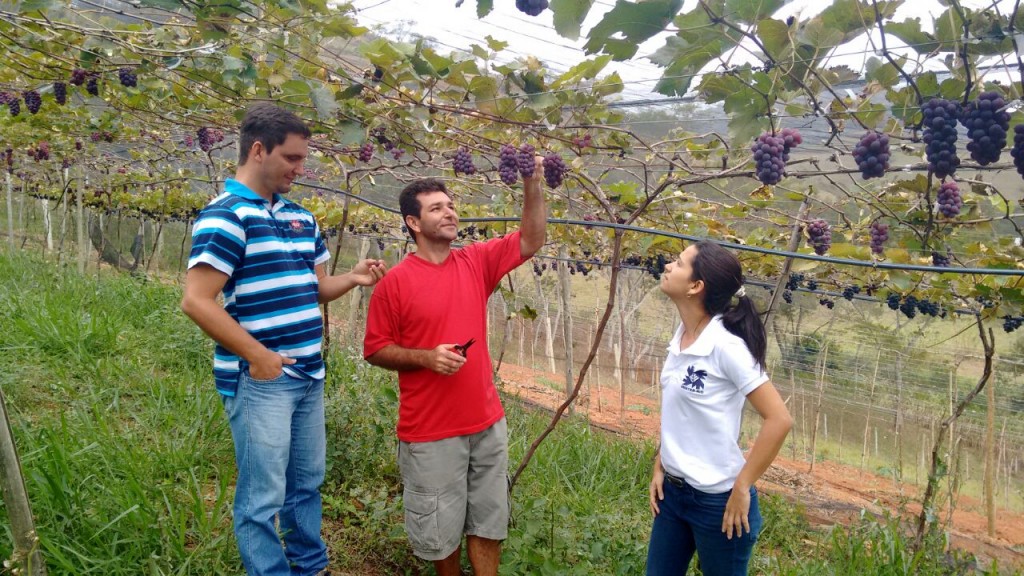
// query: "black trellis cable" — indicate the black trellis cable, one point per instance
point(692, 238)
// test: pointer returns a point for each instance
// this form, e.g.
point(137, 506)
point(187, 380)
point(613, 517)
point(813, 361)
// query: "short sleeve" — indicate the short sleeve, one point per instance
point(739, 366)
point(497, 258)
point(382, 324)
point(218, 239)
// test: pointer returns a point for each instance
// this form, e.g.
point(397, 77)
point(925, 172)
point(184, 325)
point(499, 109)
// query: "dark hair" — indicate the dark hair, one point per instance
point(409, 202)
point(269, 125)
point(722, 275)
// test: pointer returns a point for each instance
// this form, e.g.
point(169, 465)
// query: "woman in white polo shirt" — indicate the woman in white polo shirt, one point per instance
point(702, 491)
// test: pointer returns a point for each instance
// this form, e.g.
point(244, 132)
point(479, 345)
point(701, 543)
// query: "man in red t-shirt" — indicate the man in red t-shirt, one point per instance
point(424, 317)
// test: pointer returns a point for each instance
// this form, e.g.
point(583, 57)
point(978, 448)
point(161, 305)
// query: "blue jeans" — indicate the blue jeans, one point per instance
point(281, 451)
point(691, 521)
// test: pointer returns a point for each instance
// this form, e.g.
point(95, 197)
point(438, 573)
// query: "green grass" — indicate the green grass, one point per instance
point(129, 465)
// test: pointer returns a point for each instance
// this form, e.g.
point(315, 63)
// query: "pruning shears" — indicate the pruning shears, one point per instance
point(462, 348)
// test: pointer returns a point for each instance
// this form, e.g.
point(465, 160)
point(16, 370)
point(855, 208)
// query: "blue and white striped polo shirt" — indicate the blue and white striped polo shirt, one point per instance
point(269, 254)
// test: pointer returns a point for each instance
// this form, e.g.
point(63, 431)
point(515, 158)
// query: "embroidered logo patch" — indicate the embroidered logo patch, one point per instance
point(297, 226)
point(694, 380)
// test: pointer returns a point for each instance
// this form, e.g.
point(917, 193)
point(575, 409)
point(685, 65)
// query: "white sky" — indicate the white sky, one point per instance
point(458, 28)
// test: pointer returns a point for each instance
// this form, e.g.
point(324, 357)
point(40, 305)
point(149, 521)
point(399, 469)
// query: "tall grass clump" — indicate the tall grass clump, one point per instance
point(125, 451)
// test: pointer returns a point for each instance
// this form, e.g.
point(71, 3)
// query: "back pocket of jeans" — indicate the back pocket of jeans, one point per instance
point(421, 520)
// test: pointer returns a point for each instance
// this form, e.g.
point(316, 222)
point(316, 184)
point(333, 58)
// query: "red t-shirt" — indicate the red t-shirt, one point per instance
point(422, 305)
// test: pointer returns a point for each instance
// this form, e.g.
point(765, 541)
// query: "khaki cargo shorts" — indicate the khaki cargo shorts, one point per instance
point(455, 486)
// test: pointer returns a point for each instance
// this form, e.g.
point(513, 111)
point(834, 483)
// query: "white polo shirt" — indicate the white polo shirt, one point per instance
point(703, 389)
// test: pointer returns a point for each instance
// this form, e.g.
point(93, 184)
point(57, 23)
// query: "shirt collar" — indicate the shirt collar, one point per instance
point(705, 341)
point(235, 187)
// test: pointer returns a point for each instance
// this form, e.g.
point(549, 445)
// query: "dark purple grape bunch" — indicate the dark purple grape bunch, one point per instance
point(1017, 151)
point(554, 170)
point(524, 158)
point(12, 101)
point(819, 234)
point(463, 162)
point(60, 93)
point(128, 77)
point(879, 236)
point(940, 117)
point(532, 7)
point(1011, 323)
point(940, 260)
point(78, 77)
point(769, 152)
point(40, 152)
point(208, 138)
point(508, 166)
point(380, 135)
point(872, 155)
point(949, 199)
point(581, 142)
point(987, 124)
point(92, 84)
point(397, 152)
point(366, 152)
point(33, 101)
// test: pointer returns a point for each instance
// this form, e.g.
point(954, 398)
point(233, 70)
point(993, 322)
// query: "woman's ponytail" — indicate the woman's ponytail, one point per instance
point(724, 294)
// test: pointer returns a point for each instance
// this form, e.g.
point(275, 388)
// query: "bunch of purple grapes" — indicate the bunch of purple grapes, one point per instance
point(769, 157)
point(78, 77)
point(1017, 151)
point(554, 170)
point(524, 158)
point(940, 118)
point(532, 7)
point(12, 101)
point(872, 155)
point(366, 152)
point(987, 124)
point(381, 137)
point(508, 166)
point(60, 92)
point(208, 137)
point(32, 100)
point(463, 162)
point(92, 84)
point(941, 260)
point(127, 77)
point(397, 152)
point(909, 306)
point(949, 199)
point(879, 236)
point(819, 234)
point(41, 151)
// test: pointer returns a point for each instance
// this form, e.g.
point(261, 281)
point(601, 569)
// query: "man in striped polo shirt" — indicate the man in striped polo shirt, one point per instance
point(266, 256)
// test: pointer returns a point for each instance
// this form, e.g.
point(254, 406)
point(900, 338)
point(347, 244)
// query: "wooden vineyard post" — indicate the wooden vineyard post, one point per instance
point(566, 285)
point(990, 458)
point(10, 211)
point(867, 417)
point(83, 245)
point(27, 557)
point(817, 407)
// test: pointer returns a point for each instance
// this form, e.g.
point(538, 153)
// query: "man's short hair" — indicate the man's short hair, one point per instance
point(269, 125)
point(409, 202)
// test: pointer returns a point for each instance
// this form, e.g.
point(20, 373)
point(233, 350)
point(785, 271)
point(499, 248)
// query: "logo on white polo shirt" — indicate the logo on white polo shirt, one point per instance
point(694, 380)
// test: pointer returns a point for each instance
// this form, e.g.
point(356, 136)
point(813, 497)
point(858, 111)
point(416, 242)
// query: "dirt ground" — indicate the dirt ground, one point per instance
point(832, 494)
